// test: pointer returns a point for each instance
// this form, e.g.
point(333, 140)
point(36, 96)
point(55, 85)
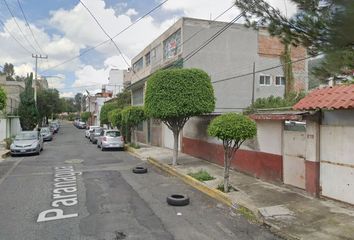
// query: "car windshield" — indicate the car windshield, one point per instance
point(97, 130)
point(26, 136)
point(113, 133)
point(44, 130)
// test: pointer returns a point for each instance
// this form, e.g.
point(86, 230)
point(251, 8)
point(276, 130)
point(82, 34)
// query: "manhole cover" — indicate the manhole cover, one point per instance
point(74, 161)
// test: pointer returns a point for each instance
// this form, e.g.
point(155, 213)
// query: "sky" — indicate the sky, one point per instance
point(63, 29)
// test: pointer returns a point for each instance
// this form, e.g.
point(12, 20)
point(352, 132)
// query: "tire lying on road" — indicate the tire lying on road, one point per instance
point(178, 200)
point(139, 170)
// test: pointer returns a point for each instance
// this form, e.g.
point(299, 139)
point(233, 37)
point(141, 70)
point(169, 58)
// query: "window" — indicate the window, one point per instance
point(147, 59)
point(153, 54)
point(264, 80)
point(140, 127)
point(138, 65)
point(280, 81)
point(172, 45)
point(138, 96)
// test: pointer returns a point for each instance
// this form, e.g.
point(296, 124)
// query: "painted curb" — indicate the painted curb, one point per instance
point(216, 194)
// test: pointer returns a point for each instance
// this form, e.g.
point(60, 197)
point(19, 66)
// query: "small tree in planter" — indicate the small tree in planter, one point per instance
point(132, 116)
point(233, 129)
point(175, 95)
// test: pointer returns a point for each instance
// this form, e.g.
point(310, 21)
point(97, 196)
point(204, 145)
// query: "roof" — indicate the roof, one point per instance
point(278, 116)
point(337, 97)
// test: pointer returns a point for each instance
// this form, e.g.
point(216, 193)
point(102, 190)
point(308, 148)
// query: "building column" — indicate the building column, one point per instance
point(312, 161)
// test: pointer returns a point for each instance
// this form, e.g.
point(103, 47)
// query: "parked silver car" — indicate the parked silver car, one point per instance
point(88, 131)
point(110, 139)
point(27, 142)
point(95, 134)
point(46, 134)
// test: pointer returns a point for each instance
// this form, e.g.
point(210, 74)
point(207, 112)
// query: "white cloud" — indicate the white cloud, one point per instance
point(23, 69)
point(88, 76)
point(56, 81)
point(131, 12)
point(67, 94)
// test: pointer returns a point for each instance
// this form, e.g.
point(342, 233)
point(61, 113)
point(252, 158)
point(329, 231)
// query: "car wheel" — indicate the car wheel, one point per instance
point(139, 170)
point(102, 148)
point(98, 146)
point(177, 200)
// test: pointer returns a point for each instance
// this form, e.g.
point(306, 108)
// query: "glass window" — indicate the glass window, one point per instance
point(138, 65)
point(147, 59)
point(280, 81)
point(140, 127)
point(138, 96)
point(113, 133)
point(264, 80)
point(172, 45)
point(153, 54)
point(27, 136)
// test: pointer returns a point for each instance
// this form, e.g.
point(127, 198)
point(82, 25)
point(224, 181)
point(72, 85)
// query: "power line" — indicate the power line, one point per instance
point(105, 32)
point(18, 42)
point(28, 25)
point(262, 70)
point(106, 41)
point(18, 26)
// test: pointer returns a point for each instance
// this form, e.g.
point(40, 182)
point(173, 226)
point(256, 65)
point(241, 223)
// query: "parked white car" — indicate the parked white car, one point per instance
point(88, 131)
point(110, 139)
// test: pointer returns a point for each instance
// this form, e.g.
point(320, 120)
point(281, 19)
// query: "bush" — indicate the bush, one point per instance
point(201, 175)
point(2, 98)
point(132, 116)
point(106, 108)
point(85, 116)
point(115, 118)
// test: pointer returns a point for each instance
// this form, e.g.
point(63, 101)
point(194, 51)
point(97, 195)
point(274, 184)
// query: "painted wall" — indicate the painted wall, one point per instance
point(252, 158)
point(2, 128)
point(337, 162)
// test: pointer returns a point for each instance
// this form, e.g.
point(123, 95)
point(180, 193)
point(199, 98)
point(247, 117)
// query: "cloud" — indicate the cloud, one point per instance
point(57, 81)
point(131, 12)
point(23, 69)
point(67, 94)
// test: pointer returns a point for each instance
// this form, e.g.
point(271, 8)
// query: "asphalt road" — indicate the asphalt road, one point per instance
point(112, 202)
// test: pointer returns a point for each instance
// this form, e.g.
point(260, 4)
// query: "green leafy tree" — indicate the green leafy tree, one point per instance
point(78, 101)
point(48, 104)
point(27, 108)
point(321, 26)
point(132, 116)
point(233, 129)
point(9, 71)
point(85, 116)
point(106, 108)
point(2, 98)
point(175, 95)
point(115, 118)
point(123, 99)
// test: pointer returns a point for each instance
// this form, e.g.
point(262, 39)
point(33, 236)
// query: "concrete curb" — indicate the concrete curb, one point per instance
point(216, 194)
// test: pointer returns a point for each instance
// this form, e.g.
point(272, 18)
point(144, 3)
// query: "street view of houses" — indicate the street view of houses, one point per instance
point(176, 119)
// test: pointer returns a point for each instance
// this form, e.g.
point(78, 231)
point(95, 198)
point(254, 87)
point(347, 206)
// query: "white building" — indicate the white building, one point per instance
point(115, 81)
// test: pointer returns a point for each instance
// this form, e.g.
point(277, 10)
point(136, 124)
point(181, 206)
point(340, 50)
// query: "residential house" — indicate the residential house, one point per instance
point(230, 60)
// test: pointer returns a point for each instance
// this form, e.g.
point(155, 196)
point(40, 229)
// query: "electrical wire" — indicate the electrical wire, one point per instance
point(106, 41)
point(18, 26)
point(16, 40)
point(29, 26)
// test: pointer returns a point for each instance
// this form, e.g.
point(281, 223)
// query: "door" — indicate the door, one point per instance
point(294, 142)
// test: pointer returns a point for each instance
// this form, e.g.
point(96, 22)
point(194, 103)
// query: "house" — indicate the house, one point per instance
point(9, 120)
point(230, 60)
point(329, 157)
point(115, 81)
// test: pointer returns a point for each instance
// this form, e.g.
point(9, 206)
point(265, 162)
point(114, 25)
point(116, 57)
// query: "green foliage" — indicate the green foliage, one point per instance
point(67, 105)
point(27, 109)
point(71, 116)
point(2, 98)
point(9, 71)
point(176, 93)
point(221, 188)
point(123, 99)
point(132, 116)
point(48, 103)
point(287, 69)
point(115, 118)
point(85, 116)
point(106, 108)
point(201, 175)
point(232, 126)
point(275, 102)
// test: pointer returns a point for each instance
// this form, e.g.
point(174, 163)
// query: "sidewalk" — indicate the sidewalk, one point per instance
point(289, 212)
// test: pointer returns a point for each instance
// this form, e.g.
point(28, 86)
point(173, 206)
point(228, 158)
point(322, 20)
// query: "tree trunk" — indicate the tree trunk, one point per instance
point(175, 146)
point(226, 171)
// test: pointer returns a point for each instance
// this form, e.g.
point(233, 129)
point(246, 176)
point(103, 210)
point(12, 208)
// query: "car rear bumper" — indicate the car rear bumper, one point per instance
point(112, 145)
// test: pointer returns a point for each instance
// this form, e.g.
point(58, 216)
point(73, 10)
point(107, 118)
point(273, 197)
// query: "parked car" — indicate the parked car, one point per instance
point(91, 128)
point(46, 134)
point(81, 125)
point(95, 134)
point(110, 139)
point(55, 127)
point(27, 142)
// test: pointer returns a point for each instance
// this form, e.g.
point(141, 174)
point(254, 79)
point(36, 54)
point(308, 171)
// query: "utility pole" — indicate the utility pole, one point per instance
point(36, 56)
point(254, 80)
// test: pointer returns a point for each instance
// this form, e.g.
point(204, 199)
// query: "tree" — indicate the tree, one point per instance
point(78, 101)
point(123, 99)
point(175, 95)
point(321, 26)
point(233, 129)
point(9, 71)
point(132, 116)
point(85, 116)
point(48, 104)
point(106, 108)
point(27, 108)
point(115, 118)
point(2, 98)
